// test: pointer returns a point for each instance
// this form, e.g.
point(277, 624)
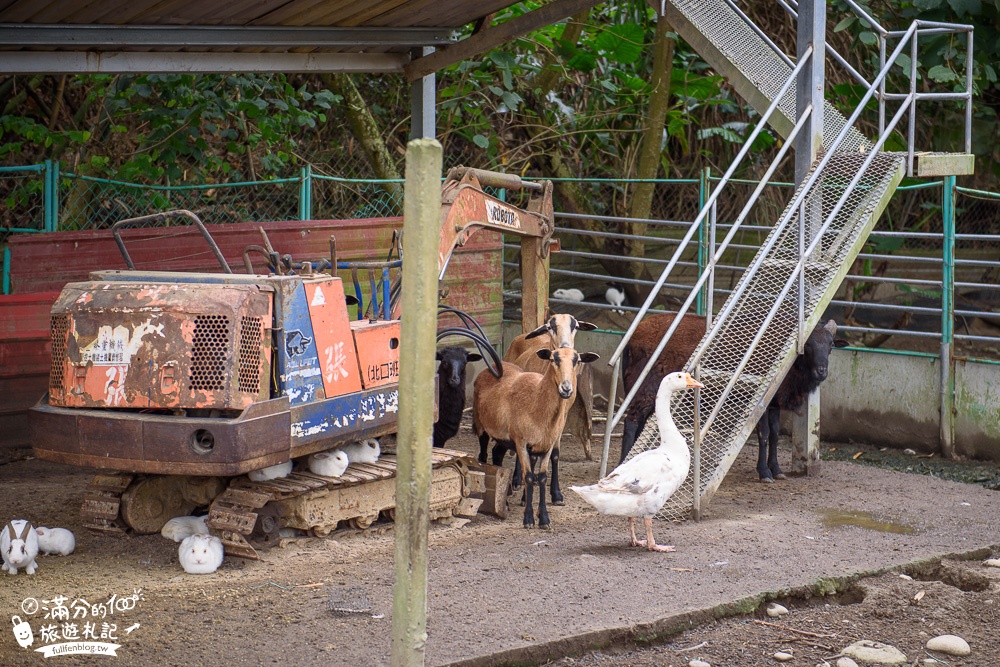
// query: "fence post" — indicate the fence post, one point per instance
point(947, 436)
point(6, 269)
point(51, 195)
point(703, 192)
point(305, 194)
point(421, 220)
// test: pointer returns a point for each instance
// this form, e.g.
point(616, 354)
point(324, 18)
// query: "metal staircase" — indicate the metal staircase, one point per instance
point(754, 338)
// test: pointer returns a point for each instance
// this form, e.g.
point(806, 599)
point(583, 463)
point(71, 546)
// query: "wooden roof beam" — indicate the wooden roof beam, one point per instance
point(488, 38)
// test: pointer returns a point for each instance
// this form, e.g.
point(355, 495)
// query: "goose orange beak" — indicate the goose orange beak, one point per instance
point(692, 383)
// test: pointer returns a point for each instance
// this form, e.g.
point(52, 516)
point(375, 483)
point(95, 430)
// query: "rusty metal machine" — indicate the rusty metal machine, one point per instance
point(176, 385)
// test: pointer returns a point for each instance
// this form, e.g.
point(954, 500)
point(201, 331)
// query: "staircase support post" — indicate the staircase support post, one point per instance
point(810, 94)
point(811, 84)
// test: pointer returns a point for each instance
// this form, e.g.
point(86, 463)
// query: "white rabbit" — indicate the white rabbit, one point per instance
point(19, 543)
point(58, 541)
point(571, 294)
point(329, 464)
point(200, 554)
point(184, 526)
point(615, 295)
point(366, 451)
point(271, 472)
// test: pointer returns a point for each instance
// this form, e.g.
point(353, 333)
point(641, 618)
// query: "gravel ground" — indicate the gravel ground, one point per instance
point(829, 548)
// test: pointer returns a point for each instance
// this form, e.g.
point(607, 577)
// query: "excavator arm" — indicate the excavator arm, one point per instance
point(466, 208)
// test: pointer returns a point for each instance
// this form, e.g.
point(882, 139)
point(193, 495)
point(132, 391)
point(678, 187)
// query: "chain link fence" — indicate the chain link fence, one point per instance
point(23, 192)
point(94, 203)
point(891, 297)
point(346, 199)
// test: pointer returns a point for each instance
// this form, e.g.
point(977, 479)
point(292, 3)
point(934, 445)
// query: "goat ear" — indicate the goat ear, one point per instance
point(840, 342)
point(831, 326)
point(587, 357)
point(438, 356)
point(585, 326)
point(539, 331)
point(544, 353)
point(474, 357)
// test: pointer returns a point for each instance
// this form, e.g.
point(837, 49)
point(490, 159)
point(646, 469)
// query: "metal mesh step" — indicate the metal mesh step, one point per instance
point(737, 52)
point(774, 354)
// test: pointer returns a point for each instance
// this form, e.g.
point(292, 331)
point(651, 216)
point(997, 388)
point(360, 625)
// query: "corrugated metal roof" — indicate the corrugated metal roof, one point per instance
point(48, 36)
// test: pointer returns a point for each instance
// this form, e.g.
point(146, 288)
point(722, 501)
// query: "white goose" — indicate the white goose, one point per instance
point(641, 485)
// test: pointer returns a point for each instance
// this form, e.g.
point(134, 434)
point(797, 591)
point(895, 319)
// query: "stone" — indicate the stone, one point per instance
point(846, 662)
point(781, 656)
point(775, 610)
point(876, 652)
point(992, 562)
point(950, 644)
point(699, 663)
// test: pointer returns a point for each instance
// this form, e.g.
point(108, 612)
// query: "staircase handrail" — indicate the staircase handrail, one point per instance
point(803, 191)
point(923, 28)
point(753, 268)
point(707, 206)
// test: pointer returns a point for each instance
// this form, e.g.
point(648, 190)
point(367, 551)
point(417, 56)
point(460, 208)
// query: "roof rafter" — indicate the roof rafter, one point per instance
point(489, 38)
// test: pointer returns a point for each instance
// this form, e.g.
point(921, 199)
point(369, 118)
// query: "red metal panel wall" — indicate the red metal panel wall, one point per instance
point(24, 360)
point(43, 263)
point(46, 262)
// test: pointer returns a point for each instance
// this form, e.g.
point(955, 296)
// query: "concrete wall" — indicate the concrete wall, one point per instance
point(977, 409)
point(881, 399)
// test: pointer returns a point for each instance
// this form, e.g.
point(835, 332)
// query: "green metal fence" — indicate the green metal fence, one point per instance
point(925, 225)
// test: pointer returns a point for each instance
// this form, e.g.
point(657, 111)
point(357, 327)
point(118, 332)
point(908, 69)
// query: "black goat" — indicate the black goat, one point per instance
point(808, 371)
point(451, 391)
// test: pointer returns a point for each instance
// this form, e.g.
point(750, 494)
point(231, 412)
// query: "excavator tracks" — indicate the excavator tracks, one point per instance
point(242, 511)
point(318, 504)
point(102, 502)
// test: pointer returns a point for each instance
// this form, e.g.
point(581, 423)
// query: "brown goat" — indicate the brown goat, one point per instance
point(561, 329)
point(528, 409)
point(673, 357)
point(522, 351)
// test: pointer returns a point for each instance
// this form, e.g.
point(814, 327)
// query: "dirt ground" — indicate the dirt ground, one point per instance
point(829, 548)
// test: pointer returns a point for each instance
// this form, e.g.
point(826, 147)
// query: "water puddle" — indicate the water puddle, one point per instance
point(833, 518)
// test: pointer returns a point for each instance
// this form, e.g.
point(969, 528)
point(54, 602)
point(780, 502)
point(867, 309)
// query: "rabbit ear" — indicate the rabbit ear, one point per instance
point(24, 533)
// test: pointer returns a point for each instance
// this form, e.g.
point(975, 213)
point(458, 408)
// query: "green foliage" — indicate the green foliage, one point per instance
point(181, 128)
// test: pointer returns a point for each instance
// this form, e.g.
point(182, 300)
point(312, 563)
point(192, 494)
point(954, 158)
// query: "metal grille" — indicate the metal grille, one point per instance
point(757, 292)
point(758, 62)
point(59, 327)
point(209, 352)
point(251, 332)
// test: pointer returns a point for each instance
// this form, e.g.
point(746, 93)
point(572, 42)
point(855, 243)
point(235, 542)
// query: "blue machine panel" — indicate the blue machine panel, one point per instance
point(347, 418)
point(299, 374)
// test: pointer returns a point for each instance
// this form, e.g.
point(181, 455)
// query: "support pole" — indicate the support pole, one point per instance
point(534, 283)
point(421, 219)
point(423, 93)
point(810, 94)
point(810, 86)
point(948, 320)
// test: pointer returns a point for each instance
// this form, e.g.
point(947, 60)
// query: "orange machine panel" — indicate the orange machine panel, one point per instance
point(378, 351)
point(334, 340)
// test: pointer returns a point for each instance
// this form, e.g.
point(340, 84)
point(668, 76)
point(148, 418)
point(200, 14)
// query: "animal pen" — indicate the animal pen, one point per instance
point(771, 302)
point(844, 182)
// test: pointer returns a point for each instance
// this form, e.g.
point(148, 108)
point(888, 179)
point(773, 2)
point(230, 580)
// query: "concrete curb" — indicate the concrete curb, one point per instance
point(662, 629)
